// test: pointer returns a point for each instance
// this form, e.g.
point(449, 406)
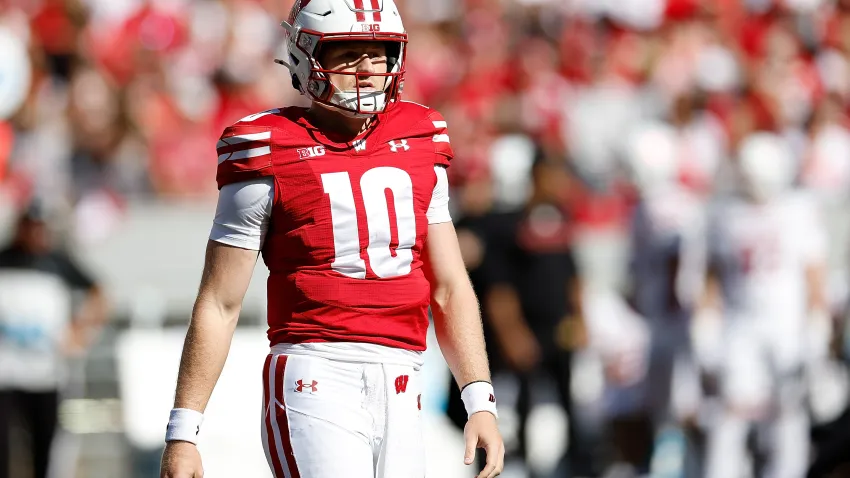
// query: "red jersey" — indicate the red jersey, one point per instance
point(348, 222)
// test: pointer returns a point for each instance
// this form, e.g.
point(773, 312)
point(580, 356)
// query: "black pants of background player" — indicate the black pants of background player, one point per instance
point(581, 455)
point(37, 415)
point(832, 442)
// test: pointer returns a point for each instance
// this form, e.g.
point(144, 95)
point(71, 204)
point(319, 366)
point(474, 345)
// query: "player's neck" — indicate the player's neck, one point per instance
point(332, 122)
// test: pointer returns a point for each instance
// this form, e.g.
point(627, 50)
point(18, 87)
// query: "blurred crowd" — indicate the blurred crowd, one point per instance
point(678, 125)
point(109, 101)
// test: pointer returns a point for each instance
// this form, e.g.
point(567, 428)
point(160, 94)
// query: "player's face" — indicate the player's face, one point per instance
point(355, 57)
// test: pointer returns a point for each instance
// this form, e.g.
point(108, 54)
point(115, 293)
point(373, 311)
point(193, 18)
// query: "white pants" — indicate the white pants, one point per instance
point(760, 356)
point(326, 419)
point(761, 372)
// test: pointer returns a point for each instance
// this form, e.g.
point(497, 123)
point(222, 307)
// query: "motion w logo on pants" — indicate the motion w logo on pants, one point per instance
point(401, 384)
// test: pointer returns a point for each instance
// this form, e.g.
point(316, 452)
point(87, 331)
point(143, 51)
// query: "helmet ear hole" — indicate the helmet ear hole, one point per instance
point(296, 83)
point(393, 55)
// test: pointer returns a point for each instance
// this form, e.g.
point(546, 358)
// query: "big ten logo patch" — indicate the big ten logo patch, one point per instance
point(401, 383)
point(312, 152)
point(371, 27)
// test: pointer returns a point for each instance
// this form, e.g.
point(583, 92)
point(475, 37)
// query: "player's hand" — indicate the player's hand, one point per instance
point(76, 342)
point(571, 333)
point(181, 460)
point(482, 431)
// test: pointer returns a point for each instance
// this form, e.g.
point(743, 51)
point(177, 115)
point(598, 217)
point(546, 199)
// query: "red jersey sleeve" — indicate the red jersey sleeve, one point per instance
point(244, 153)
point(441, 140)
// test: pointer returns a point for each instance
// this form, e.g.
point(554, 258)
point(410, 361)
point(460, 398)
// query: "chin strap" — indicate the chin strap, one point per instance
point(287, 65)
point(289, 30)
point(365, 104)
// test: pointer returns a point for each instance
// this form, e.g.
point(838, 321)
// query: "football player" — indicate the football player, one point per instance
point(347, 201)
point(767, 261)
point(665, 221)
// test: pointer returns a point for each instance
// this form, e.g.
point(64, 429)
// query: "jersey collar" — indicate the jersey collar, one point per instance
point(370, 135)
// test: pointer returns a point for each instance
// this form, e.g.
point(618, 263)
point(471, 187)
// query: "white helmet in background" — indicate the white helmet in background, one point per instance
point(314, 22)
point(651, 154)
point(767, 165)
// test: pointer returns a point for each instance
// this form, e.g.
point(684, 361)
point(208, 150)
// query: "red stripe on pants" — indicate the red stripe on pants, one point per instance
point(271, 407)
point(282, 420)
point(377, 8)
point(358, 5)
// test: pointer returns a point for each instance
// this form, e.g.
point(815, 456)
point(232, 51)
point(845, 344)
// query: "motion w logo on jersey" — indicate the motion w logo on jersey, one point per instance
point(401, 384)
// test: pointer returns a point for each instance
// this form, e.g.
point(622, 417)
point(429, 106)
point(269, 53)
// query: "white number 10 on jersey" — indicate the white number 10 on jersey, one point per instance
point(373, 184)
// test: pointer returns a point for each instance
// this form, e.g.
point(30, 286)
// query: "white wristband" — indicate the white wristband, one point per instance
point(479, 397)
point(184, 425)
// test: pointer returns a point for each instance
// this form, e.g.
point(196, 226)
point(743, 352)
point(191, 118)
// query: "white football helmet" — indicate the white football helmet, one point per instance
point(767, 165)
point(651, 157)
point(313, 22)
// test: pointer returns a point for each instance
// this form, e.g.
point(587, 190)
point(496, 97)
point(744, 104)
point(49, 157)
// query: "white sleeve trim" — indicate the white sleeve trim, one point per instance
point(438, 210)
point(243, 213)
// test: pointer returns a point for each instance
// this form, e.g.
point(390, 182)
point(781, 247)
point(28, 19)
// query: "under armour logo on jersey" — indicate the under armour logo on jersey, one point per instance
point(312, 152)
point(396, 145)
point(312, 387)
point(401, 384)
point(359, 145)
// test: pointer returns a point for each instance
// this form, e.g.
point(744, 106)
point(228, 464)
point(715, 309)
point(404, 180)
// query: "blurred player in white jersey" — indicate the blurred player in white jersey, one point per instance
point(766, 254)
point(661, 281)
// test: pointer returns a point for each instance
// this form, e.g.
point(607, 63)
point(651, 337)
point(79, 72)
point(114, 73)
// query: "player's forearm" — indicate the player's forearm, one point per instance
point(503, 308)
point(457, 322)
point(93, 311)
point(711, 297)
point(816, 287)
point(91, 317)
point(204, 353)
